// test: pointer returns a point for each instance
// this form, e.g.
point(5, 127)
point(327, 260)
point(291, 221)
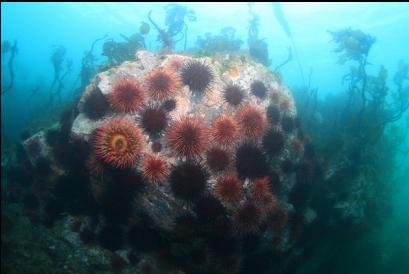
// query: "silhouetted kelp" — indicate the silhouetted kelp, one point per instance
point(258, 48)
point(209, 227)
point(347, 169)
point(118, 52)
point(376, 108)
point(176, 27)
point(225, 41)
point(6, 47)
point(88, 67)
point(57, 60)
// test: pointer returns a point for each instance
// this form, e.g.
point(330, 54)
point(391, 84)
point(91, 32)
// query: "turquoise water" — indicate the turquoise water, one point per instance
point(38, 28)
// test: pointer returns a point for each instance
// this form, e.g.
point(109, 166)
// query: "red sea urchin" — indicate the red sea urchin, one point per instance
point(260, 188)
point(229, 189)
point(162, 84)
point(175, 64)
point(118, 143)
point(155, 169)
point(252, 121)
point(127, 95)
point(224, 130)
point(188, 137)
point(197, 76)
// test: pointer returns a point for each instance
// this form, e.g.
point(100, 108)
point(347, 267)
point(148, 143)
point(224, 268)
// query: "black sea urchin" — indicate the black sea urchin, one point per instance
point(233, 94)
point(169, 105)
point(273, 142)
point(273, 114)
point(197, 76)
point(250, 161)
point(188, 181)
point(287, 124)
point(258, 89)
point(208, 208)
point(111, 237)
point(217, 159)
point(154, 120)
point(95, 105)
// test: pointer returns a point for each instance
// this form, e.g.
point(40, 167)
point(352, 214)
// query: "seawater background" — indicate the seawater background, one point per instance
point(39, 26)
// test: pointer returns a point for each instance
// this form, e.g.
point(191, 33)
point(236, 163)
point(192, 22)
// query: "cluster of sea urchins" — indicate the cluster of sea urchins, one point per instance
point(237, 150)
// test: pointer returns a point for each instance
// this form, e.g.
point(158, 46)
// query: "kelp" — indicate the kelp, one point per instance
point(7, 47)
point(176, 26)
point(226, 41)
point(379, 103)
point(258, 48)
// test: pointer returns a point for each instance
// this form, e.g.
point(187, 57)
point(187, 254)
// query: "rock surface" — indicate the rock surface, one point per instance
point(160, 203)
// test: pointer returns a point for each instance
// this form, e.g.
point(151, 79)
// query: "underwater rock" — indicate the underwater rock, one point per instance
point(157, 200)
point(36, 147)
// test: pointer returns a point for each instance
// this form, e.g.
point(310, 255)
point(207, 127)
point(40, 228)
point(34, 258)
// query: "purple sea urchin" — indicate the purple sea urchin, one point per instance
point(258, 89)
point(217, 159)
point(233, 94)
point(273, 142)
point(197, 76)
point(188, 181)
point(153, 120)
point(95, 105)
